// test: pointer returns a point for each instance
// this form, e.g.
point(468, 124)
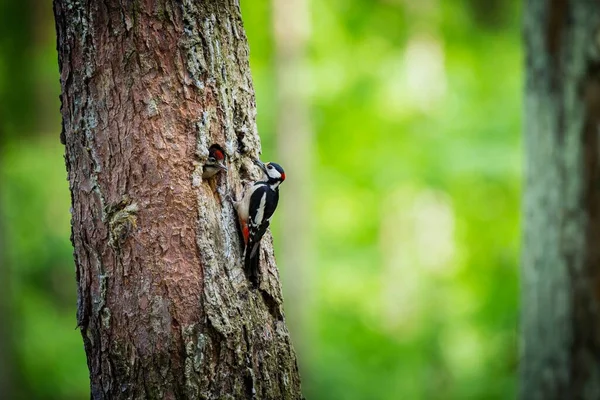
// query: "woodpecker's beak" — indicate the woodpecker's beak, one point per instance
point(222, 166)
point(261, 165)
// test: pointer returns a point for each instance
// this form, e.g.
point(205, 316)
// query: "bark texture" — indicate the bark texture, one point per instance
point(560, 324)
point(165, 309)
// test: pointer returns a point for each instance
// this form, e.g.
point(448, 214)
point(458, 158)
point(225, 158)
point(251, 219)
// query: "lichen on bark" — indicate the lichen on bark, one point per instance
point(164, 306)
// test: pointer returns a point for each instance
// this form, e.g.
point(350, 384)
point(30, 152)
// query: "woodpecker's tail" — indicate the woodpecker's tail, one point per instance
point(251, 262)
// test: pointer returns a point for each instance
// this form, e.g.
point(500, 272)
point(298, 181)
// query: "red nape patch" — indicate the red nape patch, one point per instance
point(283, 176)
point(219, 155)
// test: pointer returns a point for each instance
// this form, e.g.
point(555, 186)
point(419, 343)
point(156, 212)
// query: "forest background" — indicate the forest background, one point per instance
point(408, 285)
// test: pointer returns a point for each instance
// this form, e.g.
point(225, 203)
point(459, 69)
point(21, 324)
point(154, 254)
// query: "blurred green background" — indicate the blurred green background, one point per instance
point(414, 109)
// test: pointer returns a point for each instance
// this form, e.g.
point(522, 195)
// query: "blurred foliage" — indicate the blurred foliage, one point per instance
point(416, 115)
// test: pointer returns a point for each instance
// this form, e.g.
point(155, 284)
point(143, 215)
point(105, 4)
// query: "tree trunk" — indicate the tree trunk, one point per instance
point(165, 309)
point(560, 323)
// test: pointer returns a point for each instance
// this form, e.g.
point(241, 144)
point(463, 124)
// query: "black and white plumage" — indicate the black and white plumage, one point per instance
point(255, 211)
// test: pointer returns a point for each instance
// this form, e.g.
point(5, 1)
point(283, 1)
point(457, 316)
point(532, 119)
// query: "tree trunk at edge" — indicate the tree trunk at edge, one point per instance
point(560, 322)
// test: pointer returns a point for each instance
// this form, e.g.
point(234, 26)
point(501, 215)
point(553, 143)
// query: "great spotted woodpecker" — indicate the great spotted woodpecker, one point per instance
point(215, 162)
point(255, 211)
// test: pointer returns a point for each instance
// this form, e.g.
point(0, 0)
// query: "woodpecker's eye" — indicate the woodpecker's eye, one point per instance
point(212, 159)
point(270, 167)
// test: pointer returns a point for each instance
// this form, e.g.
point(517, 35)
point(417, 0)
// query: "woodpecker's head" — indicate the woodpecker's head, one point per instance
point(273, 171)
point(215, 161)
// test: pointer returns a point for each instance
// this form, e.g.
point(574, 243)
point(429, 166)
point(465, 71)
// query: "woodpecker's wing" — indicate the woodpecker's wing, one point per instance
point(263, 203)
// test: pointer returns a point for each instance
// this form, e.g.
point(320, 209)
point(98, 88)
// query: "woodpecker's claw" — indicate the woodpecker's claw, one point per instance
point(230, 198)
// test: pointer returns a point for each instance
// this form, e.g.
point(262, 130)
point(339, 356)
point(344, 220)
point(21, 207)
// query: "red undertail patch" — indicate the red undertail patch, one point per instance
point(245, 232)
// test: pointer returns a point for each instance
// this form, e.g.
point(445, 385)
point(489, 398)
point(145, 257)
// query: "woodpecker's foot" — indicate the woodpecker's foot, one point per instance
point(230, 198)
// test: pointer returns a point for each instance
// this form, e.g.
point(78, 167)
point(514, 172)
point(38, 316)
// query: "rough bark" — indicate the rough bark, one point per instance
point(560, 324)
point(165, 309)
